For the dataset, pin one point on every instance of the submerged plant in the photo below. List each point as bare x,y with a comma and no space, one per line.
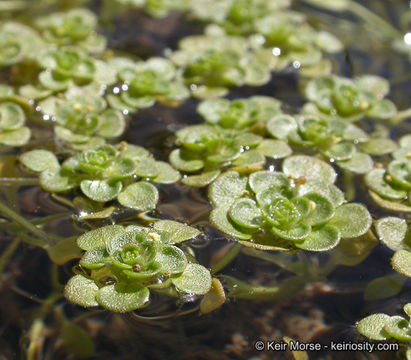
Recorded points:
144,83
104,174
341,98
297,208
122,265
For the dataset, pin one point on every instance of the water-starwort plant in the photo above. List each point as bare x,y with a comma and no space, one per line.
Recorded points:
123,264
299,207
103,174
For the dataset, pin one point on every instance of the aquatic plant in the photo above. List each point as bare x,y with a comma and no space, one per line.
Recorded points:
104,174
123,264
144,83
297,208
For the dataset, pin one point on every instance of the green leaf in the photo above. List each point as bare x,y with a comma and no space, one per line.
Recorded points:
94,259
146,168
398,328
296,233
12,116
392,231
77,341
382,109
281,125
276,149
55,180
166,174
101,190
227,188
123,168
18,137
120,298
323,239
219,219
359,163
245,213
141,196
383,287
375,180
351,220
249,161
340,151
390,205
195,279
64,251
323,209
174,232
201,180
182,161
97,239
172,259
400,172
378,146
373,326
329,191
401,262
310,168
39,160
112,124
81,291
262,180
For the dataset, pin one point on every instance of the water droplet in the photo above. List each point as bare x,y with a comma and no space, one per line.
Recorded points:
116,90
46,117
276,51
124,87
193,87
407,38
296,64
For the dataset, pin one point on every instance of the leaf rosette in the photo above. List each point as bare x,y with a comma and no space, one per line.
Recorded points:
75,27
124,264
337,97
299,208
106,173
144,83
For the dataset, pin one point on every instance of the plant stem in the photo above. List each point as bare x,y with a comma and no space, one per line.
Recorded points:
5,181
228,258
12,215
400,116
370,17
8,253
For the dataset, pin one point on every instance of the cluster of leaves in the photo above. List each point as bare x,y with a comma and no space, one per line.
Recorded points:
157,8
390,187
104,174
214,62
299,207
82,118
335,97
144,83
391,328
13,113
121,265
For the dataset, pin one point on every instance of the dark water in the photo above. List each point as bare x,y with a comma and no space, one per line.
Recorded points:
323,312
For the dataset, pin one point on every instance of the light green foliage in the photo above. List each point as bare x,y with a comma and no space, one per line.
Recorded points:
102,173
385,327
147,82
157,8
269,209
214,62
341,98
82,118
13,131
75,27
122,264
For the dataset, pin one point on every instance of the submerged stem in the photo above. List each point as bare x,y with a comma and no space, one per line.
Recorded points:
12,215
5,181
227,258
8,253
400,116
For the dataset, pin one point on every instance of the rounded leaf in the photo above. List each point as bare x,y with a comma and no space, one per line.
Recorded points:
375,180
166,174
401,262
39,160
322,239
97,239
309,168
262,180
391,231
245,213
359,163
195,279
81,291
122,299
101,190
201,180
276,149
219,218
398,328
55,180
352,220
373,326
141,196
172,259
182,161
174,232
227,188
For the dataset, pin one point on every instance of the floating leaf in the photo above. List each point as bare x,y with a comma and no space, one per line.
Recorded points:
227,188
309,168
275,149
391,231
39,160
323,239
398,328
195,279
81,291
175,232
219,218
166,174
214,298
359,163
383,287
378,146
141,196
401,262
97,239
201,180
351,220
101,190
55,180
246,213
373,326
122,299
